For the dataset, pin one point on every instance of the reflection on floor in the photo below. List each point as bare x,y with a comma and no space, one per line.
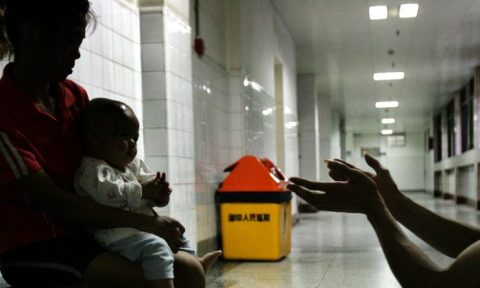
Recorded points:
333,250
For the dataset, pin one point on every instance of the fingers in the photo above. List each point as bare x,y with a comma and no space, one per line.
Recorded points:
310,196
178,225
343,171
157,177
344,163
162,178
372,162
312,185
335,176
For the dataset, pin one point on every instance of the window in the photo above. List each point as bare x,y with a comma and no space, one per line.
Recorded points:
396,140
437,134
466,104
451,128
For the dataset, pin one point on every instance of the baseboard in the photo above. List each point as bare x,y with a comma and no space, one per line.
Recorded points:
461,199
448,196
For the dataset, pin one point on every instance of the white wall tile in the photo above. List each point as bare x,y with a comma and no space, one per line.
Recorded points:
156,142
154,85
153,57
152,28
155,115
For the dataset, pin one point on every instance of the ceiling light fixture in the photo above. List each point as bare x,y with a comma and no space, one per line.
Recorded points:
409,10
388,76
388,120
387,131
378,12
386,104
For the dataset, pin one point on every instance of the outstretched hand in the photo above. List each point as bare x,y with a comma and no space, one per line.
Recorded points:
353,191
385,184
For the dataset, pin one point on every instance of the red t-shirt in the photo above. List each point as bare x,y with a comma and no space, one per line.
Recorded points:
32,140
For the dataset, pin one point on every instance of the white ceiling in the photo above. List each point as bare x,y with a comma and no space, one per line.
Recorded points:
335,39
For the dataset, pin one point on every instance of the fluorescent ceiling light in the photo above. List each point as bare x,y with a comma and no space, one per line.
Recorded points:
388,76
378,12
408,10
386,104
387,132
388,120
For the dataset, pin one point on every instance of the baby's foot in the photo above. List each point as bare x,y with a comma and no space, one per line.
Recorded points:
208,259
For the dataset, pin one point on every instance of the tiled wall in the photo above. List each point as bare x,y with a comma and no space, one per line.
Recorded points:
234,117
168,108
110,65
193,111
212,141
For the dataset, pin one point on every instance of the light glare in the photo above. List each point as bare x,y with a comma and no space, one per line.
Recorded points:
387,132
388,120
388,76
378,12
386,104
408,10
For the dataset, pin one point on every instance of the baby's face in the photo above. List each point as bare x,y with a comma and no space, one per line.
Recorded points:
121,145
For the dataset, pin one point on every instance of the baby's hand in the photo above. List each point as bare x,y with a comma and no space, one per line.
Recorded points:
150,189
164,191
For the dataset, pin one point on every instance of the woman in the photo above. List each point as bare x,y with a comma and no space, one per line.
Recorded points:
42,243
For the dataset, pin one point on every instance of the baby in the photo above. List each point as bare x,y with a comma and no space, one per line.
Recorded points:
111,175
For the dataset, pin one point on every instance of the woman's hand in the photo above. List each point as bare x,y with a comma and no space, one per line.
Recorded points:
170,229
353,192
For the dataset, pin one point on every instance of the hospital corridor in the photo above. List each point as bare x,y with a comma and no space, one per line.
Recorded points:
233,98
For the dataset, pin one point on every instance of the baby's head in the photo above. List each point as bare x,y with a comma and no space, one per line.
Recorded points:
111,131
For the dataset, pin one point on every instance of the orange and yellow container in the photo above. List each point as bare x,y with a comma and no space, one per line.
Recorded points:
255,211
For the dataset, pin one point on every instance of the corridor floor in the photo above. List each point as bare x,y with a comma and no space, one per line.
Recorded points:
333,250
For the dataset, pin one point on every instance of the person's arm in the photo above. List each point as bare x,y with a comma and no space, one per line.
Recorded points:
43,193
447,236
412,267
358,193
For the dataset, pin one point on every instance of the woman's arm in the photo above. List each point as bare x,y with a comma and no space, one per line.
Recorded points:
43,193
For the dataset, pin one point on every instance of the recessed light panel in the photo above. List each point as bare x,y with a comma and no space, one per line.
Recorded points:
387,132
388,120
388,76
386,104
409,10
378,12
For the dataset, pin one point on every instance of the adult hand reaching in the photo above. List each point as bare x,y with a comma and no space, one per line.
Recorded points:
385,184
353,191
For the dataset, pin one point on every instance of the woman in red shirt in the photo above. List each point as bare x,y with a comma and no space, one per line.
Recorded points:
42,242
